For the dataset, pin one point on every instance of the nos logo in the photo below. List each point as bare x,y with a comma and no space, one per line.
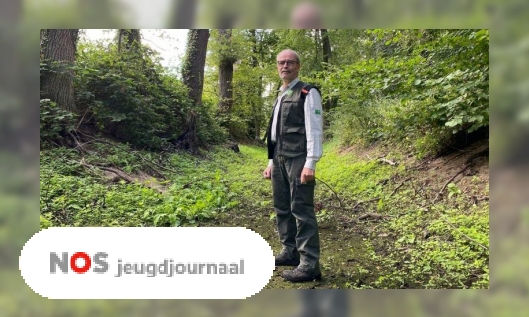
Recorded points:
63,262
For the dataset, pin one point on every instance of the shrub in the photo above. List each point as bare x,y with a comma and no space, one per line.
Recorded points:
136,101
55,122
424,95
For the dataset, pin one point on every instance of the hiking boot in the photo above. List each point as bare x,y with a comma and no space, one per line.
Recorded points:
298,275
283,259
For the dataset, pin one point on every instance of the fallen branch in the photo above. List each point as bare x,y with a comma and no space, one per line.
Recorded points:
116,171
456,156
347,221
418,166
363,202
448,182
371,215
160,175
475,200
396,188
474,156
387,161
157,172
82,118
335,194
79,145
122,175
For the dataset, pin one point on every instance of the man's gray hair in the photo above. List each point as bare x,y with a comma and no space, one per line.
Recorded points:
292,51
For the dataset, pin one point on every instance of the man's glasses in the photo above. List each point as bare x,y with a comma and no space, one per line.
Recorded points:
289,63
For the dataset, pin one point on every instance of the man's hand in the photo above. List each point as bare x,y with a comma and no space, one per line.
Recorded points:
267,172
307,175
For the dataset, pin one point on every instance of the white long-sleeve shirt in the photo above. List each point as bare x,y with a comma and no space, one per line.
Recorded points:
313,124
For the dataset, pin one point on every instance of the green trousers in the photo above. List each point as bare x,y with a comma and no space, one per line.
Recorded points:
294,205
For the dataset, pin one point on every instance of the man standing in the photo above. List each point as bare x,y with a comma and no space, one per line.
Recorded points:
294,139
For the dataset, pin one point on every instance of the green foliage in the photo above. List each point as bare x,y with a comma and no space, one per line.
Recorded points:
453,190
303,42
45,222
324,216
420,88
348,46
243,173
247,109
415,83
55,122
199,202
352,178
130,96
71,195
442,246
459,100
231,49
209,130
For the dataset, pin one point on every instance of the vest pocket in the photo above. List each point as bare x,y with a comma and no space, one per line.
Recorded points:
294,139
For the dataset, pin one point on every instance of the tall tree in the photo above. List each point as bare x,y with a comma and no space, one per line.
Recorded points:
317,51
327,54
326,46
227,59
193,78
257,104
130,39
194,62
58,53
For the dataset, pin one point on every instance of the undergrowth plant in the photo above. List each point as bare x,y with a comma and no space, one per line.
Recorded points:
444,245
73,195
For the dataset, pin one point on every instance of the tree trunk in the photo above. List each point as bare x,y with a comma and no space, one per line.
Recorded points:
317,50
58,52
226,89
326,46
193,78
131,38
191,139
225,73
129,46
257,106
327,53
194,62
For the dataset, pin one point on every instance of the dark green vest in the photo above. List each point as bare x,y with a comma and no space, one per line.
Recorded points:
291,140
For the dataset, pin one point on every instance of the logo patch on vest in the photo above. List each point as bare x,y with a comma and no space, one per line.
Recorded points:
317,111
289,93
